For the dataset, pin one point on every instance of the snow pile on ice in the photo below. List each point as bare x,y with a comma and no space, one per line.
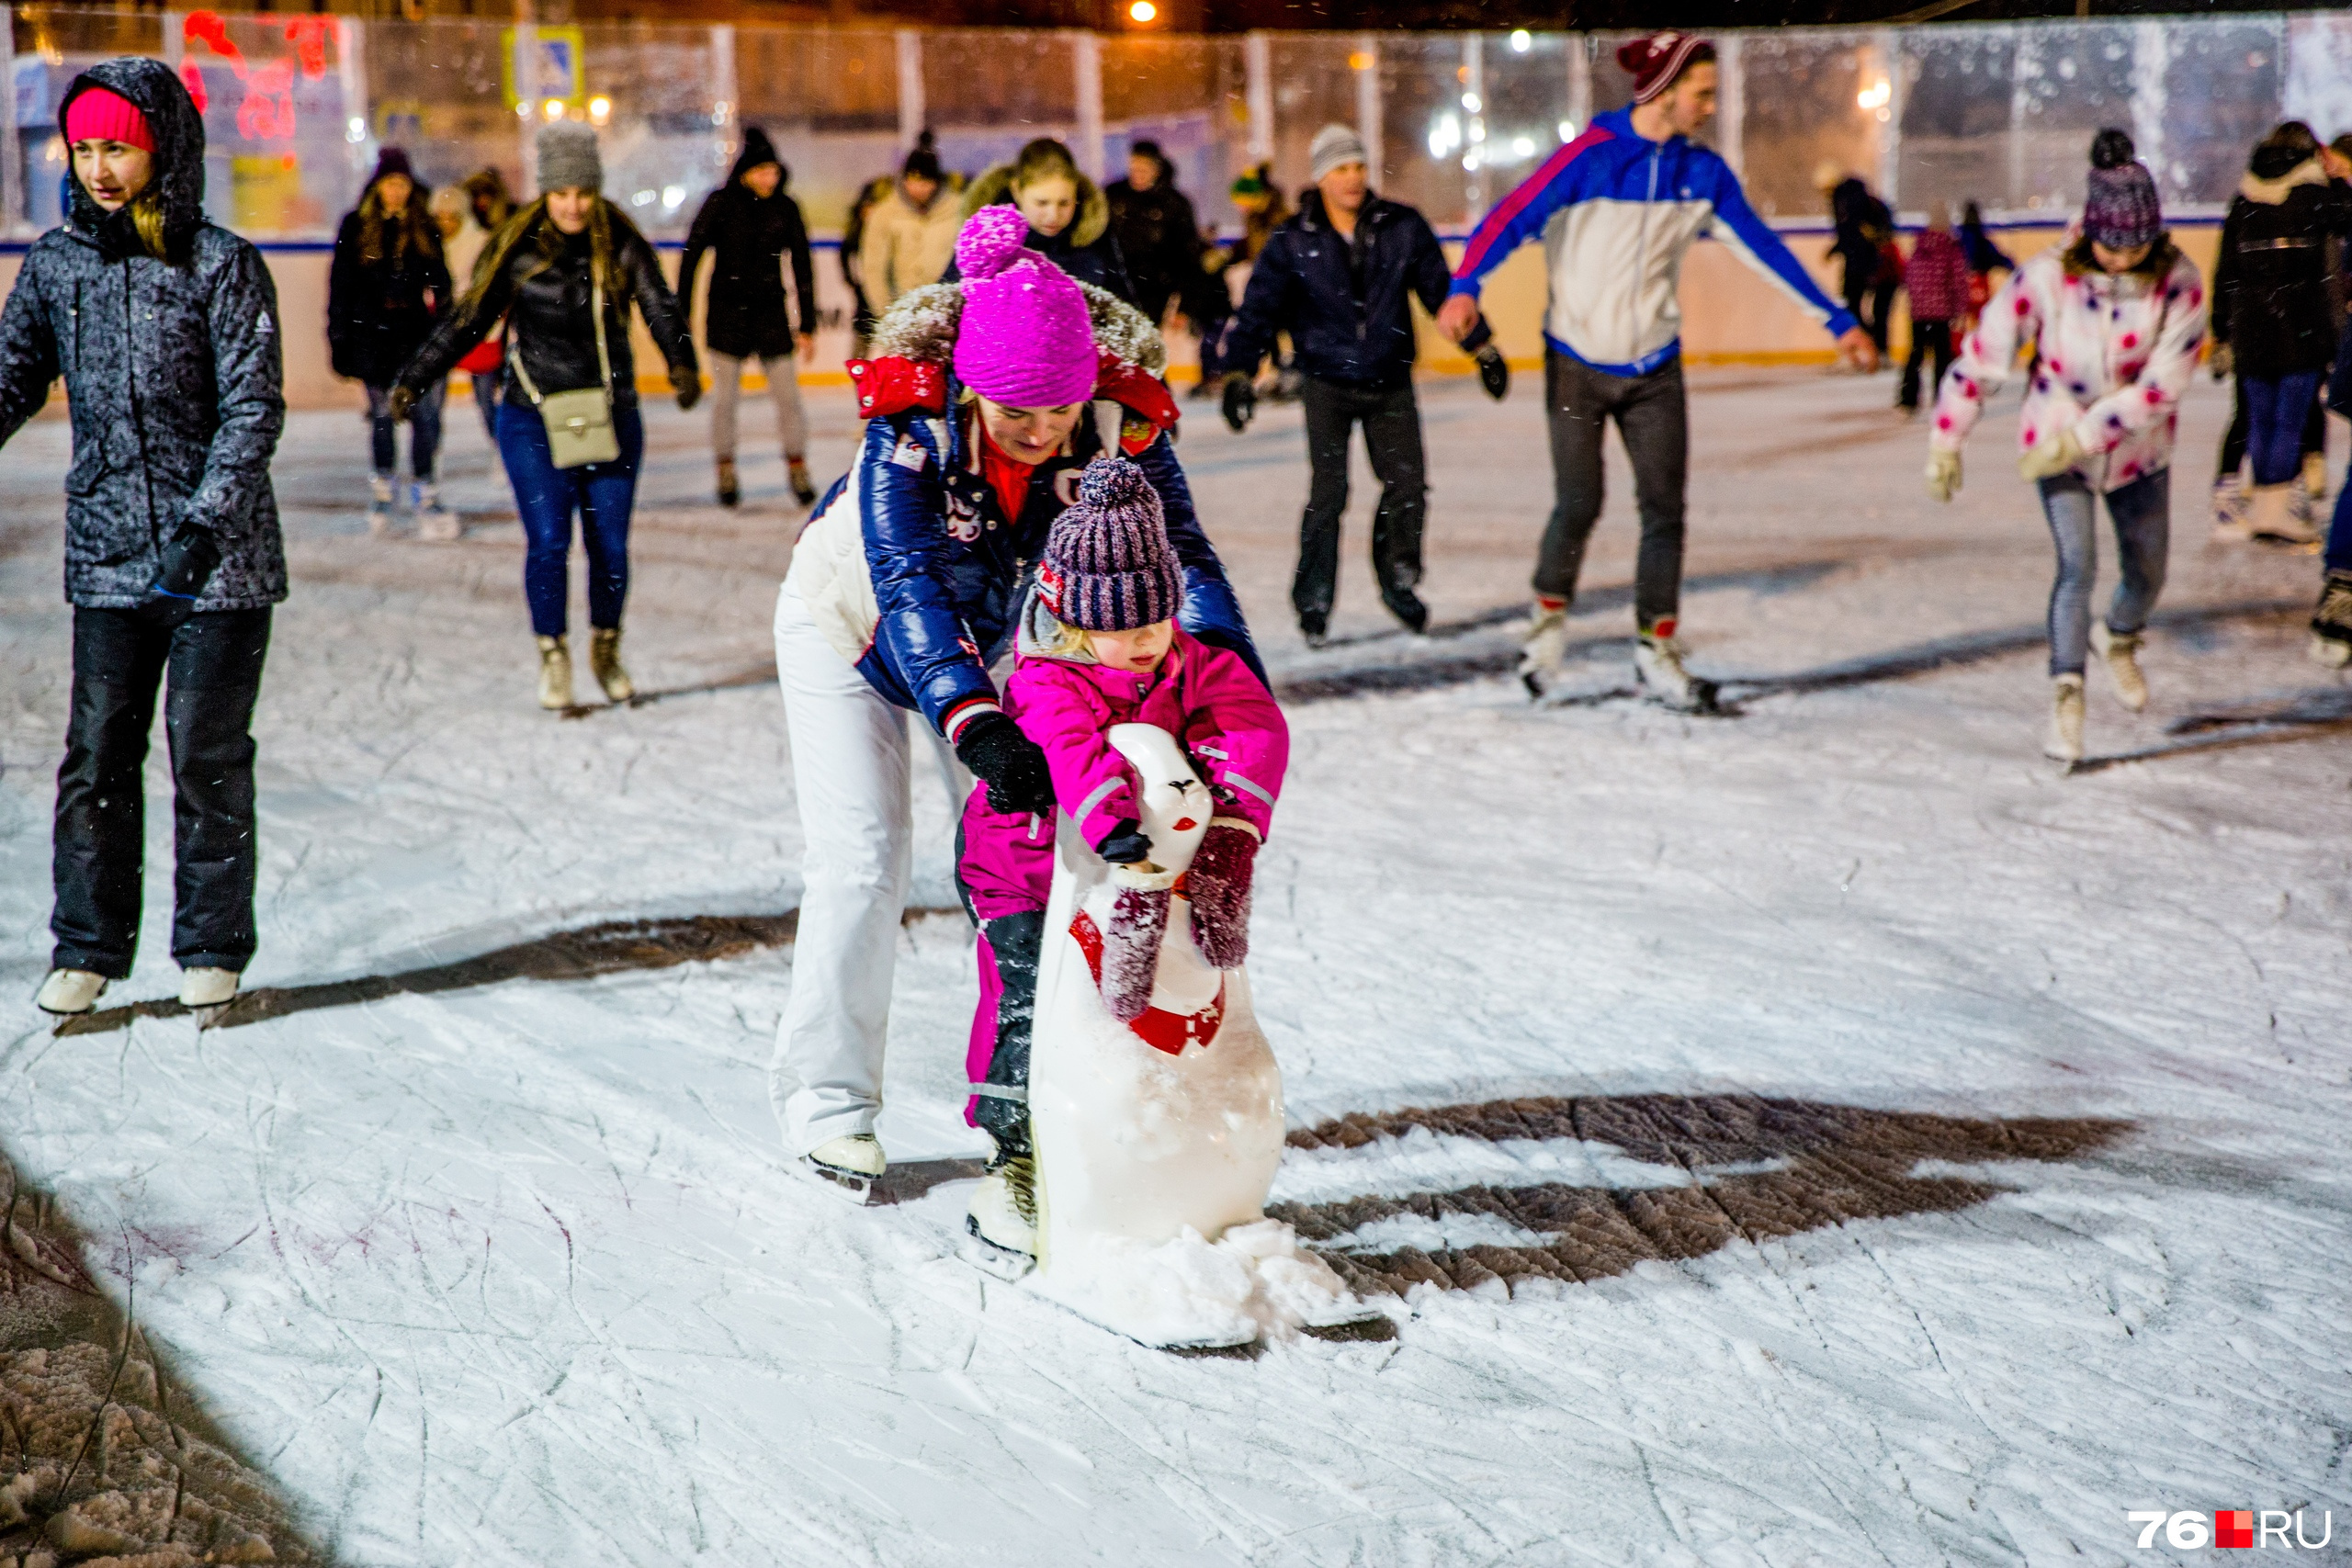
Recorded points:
1252,1282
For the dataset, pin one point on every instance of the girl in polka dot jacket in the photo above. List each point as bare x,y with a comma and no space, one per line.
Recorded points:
2116,318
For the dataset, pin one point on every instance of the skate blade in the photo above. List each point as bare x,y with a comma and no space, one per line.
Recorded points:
1371,1329
1005,1263
1706,701
850,1186
206,1018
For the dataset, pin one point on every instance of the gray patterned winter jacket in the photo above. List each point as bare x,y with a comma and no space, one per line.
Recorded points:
173,371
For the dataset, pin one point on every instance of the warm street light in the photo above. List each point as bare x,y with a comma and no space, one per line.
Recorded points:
1143,11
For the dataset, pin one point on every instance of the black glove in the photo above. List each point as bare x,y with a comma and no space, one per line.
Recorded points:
687,385
1126,843
402,402
1008,763
1494,372
187,560
1241,401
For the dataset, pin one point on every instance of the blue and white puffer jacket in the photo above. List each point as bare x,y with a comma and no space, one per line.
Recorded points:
1617,212
909,567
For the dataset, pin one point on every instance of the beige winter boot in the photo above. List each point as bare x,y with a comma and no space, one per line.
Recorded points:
2121,651
2281,513
605,663
2315,475
555,674
2065,741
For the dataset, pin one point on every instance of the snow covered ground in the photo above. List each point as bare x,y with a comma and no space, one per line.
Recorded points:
1922,1158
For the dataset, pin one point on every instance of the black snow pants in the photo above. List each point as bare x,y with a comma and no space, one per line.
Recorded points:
1392,438
1927,338
1652,417
214,660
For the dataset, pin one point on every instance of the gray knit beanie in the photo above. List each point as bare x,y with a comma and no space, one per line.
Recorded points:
1334,146
1108,564
568,157
2121,210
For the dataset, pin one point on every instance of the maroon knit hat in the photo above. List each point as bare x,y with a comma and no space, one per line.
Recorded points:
1108,565
1658,59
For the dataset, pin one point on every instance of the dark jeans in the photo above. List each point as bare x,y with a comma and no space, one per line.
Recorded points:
2339,531
1391,437
1927,337
486,399
2234,440
2142,512
1879,296
1655,424
119,657
2277,410
424,430
546,497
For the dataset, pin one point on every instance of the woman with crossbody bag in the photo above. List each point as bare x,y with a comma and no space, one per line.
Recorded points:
563,271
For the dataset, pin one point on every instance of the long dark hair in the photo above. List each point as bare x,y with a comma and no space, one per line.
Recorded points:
398,235
530,226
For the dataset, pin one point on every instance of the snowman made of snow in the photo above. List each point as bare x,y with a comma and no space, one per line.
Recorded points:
1158,1139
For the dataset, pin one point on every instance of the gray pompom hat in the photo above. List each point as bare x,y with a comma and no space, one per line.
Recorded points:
1109,565
568,157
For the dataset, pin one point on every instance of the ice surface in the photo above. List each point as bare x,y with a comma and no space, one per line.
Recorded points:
516,1275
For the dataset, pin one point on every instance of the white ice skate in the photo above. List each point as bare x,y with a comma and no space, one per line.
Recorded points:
380,505
847,1167
435,524
1657,665
70,992
1545,648
2120,653
1157,1140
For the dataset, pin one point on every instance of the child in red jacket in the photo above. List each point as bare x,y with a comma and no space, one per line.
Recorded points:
1937,276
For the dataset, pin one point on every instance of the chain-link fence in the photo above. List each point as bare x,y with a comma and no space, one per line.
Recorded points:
296,107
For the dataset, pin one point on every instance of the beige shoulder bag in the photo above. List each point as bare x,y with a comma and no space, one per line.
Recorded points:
579,423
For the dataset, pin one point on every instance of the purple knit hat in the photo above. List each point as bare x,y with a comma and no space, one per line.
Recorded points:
2121,210
1108,565
1026,341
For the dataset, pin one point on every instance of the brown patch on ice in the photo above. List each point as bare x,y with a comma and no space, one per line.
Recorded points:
1832,1164
610,948
104,1458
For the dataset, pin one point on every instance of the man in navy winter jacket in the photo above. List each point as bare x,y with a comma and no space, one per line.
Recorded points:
1339,278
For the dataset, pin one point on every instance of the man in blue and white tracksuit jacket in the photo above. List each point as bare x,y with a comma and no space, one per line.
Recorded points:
1616,209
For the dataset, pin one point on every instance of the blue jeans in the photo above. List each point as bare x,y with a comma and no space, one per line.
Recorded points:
2142,511
547,496
2277,409
424,430
2340,533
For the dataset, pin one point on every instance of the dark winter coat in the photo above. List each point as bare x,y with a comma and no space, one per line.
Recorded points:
543,289
1159,238
748,237
1087,250
379,313
173,373
1346,306
1863,227
2270,302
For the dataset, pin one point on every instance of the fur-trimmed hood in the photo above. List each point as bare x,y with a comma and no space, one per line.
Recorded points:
921,326
178,130
1094,220
2272,191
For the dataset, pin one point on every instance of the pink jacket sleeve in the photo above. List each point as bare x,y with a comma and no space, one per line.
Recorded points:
1061,710
1237,733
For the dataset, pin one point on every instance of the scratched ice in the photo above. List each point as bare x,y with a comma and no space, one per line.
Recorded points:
514,1275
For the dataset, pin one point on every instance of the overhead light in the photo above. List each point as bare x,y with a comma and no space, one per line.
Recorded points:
356,132
1470,101
1877,95
1567,132
1522,40
1523,146
1143,11
600,108
671,195
552,109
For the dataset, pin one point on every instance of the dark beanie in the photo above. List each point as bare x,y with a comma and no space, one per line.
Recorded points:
389,161
922,164
2121,210
1108,565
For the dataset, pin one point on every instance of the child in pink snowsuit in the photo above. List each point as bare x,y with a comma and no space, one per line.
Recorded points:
1100,647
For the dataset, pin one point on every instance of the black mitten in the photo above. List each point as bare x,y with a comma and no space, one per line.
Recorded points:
1126,843
1240,404
1008,763
187,562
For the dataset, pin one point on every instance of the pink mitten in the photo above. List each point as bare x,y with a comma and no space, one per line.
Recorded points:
1131,950
1218,884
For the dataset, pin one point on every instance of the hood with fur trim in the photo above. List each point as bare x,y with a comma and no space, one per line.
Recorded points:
1093,218
178,130
2272,191
921,327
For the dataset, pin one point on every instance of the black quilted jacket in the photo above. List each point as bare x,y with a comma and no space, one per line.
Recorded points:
172,368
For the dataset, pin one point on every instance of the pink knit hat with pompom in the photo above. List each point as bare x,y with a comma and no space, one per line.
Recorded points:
1026,341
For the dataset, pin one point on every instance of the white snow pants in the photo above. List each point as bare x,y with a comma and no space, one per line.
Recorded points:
850,773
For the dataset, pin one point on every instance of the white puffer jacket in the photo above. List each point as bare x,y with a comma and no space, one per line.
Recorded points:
2112,355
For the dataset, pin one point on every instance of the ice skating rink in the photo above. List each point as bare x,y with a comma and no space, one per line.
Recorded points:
1915,1156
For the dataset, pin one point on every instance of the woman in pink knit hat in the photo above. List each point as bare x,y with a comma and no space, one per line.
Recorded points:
983,398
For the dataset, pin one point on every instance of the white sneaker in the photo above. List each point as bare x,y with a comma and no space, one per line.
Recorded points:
207,988
435,524
380,505
1545,648
2065,740
849,1164
1657,665
2120,653
69,991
